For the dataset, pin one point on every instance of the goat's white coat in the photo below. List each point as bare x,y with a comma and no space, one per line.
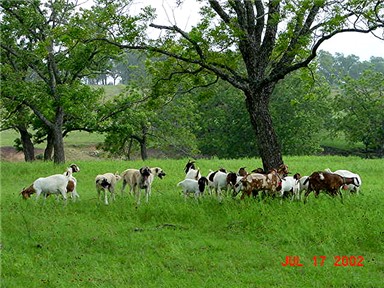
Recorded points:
287,184
54,184
190,186
300,187
193,174
220,182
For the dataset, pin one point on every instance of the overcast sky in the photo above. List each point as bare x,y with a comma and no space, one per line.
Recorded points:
362,45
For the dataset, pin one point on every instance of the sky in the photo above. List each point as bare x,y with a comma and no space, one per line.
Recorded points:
362,45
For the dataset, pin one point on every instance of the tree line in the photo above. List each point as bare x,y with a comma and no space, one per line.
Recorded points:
217,89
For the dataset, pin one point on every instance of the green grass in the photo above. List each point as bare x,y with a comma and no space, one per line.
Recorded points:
170,242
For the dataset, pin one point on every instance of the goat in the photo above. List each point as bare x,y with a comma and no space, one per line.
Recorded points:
191,172
328,182
106,182
72,182
54,184
255,182
242,171
210,176
345,173
288,184
299,187
232,180
193,186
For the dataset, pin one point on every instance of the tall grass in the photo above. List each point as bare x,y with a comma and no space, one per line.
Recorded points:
170,242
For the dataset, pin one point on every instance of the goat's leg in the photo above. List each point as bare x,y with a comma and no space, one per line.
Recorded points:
64,194
306,195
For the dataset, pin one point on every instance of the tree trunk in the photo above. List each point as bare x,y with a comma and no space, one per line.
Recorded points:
257,102
129,148
49,147
26,142
58,145
143,143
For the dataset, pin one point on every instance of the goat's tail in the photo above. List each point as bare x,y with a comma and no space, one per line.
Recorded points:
306,181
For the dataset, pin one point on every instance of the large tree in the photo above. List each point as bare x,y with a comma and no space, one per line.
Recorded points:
254,44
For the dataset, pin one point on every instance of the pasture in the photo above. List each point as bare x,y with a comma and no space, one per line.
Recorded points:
170,242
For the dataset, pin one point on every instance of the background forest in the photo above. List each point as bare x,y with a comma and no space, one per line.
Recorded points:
64,74
339,99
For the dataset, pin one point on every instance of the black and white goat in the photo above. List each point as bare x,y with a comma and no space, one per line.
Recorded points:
191,172
193,186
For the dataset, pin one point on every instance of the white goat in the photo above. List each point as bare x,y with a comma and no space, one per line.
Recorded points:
301,185
348,174
54,184
193,186
191,172
106,182
288,184
220,182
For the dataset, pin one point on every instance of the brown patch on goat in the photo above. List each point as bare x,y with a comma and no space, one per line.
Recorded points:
70,186
27,192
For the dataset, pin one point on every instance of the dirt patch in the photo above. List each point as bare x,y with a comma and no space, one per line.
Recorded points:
10,154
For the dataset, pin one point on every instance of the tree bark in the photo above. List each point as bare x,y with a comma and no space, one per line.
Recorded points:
58,143
143,143
257,103
49,147
26,142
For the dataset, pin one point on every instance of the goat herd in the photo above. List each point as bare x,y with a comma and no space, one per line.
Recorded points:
275,182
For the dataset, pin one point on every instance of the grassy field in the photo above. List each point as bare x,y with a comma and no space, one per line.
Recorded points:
170,242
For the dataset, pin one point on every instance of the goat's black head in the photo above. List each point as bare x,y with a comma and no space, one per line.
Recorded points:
189,165
202,182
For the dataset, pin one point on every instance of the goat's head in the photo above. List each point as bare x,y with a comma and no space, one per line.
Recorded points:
202,182
74,168
189,165
297,176
258,170
27,192
242,171
283,170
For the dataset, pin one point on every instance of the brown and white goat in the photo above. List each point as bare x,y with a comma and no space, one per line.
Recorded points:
270,183
54,184
329,182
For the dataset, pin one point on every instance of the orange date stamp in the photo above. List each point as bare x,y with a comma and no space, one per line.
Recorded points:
338,261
